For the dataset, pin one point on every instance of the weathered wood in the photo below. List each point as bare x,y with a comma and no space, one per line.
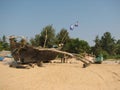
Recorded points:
29,54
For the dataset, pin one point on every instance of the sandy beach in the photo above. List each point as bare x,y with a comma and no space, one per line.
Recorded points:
61,76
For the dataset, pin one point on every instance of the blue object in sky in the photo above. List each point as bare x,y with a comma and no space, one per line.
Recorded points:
76,24
71,27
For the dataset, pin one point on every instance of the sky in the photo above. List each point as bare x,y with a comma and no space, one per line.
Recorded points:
28,17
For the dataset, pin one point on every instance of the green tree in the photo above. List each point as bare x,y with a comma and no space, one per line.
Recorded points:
62,37
84,46
47,38
35,41
118,42
118,47
4,39
3,43
77,46
108,43
97,49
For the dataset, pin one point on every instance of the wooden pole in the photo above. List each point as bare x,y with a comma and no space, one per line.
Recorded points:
45,39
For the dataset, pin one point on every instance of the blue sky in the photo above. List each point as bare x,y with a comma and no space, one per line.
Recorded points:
29,17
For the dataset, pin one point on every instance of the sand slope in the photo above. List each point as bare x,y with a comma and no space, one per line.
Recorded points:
57,76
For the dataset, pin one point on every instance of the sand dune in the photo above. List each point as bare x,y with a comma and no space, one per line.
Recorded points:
58,76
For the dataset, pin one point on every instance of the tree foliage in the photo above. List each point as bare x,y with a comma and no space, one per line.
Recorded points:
107,45
62,36
97,48
118,47
77,46
35,41
46,38
4,44
47,34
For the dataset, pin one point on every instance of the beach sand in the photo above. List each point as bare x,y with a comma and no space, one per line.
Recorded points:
61,76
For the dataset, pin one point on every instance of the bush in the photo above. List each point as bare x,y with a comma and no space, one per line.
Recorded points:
117,57
105,55
101,52
113,57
